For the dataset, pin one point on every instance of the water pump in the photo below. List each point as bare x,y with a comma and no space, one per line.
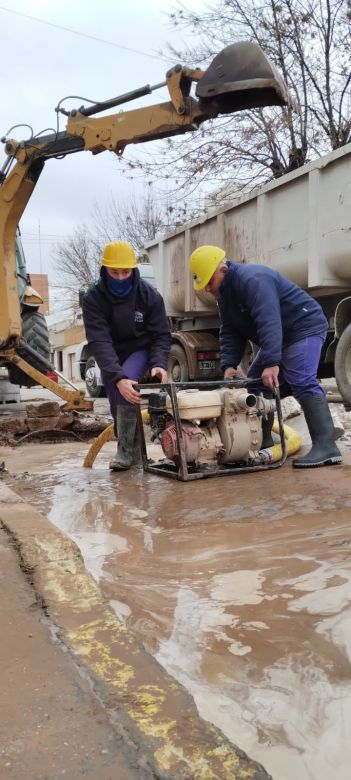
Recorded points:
218,427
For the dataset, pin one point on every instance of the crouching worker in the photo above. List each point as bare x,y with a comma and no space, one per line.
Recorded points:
259,304
128,334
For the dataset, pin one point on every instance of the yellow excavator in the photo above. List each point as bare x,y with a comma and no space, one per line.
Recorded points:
240,77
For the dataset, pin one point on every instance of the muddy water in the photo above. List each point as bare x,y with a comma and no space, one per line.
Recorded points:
240,586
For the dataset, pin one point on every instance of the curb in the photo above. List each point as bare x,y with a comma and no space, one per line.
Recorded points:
155,712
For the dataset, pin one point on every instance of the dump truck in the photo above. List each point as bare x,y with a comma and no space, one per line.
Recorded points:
239,78
300,225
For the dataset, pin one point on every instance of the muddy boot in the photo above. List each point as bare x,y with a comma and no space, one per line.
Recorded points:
267,424
126,430
137,458
319,421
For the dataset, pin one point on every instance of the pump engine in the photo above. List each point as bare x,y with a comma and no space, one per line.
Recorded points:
218,426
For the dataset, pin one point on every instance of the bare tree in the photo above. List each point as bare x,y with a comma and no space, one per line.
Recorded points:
137,220
77,258
310,43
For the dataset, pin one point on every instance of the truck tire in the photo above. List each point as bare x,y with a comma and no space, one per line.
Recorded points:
342,365
35,333
94,389
178,370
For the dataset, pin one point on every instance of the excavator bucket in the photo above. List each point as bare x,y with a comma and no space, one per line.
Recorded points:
241,76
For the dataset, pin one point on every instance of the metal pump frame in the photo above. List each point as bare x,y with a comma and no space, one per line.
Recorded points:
183,472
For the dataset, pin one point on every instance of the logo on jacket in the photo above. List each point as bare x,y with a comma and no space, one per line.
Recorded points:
138,316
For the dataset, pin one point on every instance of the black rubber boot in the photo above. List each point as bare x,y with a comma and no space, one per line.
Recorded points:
267,424
126,435
319,421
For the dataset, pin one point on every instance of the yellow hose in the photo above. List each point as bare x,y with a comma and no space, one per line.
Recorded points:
292,441
106,435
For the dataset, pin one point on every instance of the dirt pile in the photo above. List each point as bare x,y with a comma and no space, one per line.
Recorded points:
48,421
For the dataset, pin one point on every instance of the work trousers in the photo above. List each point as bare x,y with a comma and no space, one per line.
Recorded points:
134,367
298,368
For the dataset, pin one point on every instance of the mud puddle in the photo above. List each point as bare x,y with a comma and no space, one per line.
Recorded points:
240,586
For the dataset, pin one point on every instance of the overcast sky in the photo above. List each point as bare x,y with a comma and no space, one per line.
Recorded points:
42,63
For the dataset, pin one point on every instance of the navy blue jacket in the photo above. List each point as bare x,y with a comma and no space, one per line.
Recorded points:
261,305
117,327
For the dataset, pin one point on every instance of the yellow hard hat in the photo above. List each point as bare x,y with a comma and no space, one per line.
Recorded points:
203,263
120,254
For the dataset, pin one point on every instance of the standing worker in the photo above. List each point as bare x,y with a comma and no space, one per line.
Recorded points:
128,333
289,326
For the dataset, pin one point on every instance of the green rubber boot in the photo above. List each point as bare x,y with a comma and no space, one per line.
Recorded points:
126,435
324,451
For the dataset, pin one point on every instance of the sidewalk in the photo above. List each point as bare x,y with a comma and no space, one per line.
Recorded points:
79,697
51,726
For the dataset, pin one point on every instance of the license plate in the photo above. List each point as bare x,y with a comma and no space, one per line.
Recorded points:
207,365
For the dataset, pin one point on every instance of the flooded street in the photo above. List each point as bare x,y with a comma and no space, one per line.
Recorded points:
240,586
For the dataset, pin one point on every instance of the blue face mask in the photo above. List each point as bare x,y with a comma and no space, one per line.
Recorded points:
119,288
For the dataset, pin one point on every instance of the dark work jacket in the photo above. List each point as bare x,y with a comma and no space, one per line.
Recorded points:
260,305
117,327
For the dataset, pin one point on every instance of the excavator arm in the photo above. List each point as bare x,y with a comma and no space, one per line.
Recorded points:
240,77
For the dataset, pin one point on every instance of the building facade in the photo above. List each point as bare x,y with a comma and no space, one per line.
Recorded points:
65,337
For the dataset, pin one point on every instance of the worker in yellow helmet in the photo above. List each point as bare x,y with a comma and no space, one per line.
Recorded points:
259,304
128,333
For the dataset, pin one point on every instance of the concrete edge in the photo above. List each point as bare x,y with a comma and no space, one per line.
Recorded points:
159,714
